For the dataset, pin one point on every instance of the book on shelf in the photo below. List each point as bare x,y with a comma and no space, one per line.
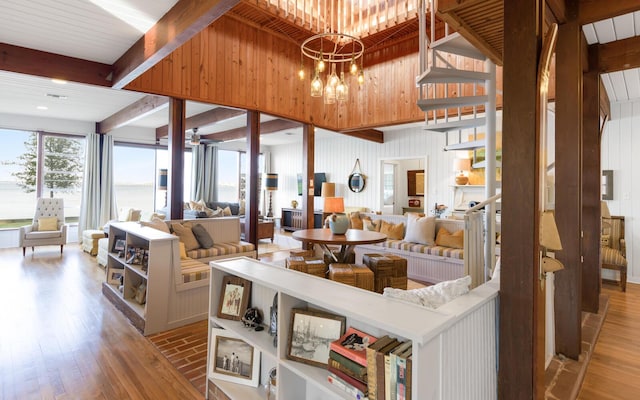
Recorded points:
375,365
356,371
361,386
343,385
403,382
393,368
353,345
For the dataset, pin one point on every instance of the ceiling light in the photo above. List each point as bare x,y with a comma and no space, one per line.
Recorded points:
195,138
42,108
59,81
343,48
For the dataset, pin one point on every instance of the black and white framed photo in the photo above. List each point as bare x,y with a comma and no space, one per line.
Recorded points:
310,334
115,276
119,245
234,297
232,359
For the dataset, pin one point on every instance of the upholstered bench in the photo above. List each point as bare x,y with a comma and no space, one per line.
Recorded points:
352,274
90,239
103,252
389,270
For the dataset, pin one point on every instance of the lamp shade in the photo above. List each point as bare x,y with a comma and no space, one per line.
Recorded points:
549,236
604,210
271,182
462,164
328,189
162,179
334,205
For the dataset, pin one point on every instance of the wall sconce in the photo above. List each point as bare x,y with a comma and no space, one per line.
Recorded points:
549,240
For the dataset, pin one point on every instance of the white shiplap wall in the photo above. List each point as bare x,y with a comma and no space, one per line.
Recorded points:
620,147
336,157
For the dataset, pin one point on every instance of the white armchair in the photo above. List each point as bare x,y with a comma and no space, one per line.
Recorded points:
45,230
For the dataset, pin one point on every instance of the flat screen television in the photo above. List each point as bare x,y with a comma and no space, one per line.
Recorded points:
318,179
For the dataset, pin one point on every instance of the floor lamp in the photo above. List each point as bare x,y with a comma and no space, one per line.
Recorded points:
271,186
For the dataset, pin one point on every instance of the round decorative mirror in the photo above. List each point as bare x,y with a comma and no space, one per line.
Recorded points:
356,182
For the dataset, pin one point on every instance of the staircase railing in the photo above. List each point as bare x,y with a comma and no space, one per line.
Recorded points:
479,261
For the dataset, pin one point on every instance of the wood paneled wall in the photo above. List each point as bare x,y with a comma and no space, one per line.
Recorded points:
237,65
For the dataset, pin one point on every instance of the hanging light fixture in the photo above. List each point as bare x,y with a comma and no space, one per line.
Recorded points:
335,89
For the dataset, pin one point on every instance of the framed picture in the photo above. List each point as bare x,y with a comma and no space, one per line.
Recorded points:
119,245
310,334
234,297
115,276
232,359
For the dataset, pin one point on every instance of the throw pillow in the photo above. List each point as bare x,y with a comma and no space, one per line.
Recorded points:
420,229
134,215
48,224
446,239
156,223
242,207
123,214
432,296
393,231
370,225
226,211
186,235
202,236
355,220
183,251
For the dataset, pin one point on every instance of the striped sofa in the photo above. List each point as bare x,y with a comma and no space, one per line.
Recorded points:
424,263
225,232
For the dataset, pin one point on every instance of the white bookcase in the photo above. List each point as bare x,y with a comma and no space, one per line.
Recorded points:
150,316
367,311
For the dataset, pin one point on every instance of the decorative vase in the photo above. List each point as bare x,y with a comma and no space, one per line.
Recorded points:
338,223
294,204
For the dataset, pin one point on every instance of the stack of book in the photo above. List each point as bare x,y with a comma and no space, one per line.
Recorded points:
389,369
348,362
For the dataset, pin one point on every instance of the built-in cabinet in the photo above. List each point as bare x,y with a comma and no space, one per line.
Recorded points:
364,310
292,219
138,287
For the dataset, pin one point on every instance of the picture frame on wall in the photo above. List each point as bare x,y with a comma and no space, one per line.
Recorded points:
232,359
234,297
310,334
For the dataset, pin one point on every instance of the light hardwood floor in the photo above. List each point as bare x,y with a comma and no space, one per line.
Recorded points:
614,370
60,338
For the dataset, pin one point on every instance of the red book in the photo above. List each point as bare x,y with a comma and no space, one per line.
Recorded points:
361,386
353,345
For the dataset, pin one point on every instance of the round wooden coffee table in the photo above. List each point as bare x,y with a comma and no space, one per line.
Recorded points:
347,242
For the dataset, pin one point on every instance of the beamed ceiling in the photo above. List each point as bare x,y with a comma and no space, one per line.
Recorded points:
98,49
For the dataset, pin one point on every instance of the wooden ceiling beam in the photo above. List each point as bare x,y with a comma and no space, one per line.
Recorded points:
141,108
272,126
49,65
372,135
446,6
183,21
605,103
209,117
619,55
558,10
596,10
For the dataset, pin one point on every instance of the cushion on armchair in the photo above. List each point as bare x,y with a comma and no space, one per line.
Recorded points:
47,224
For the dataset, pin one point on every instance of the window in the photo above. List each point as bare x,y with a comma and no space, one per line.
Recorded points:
24,175
229,176
134,176
17,192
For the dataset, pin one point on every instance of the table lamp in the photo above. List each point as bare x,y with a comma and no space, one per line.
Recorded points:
549,240
460,166
338,221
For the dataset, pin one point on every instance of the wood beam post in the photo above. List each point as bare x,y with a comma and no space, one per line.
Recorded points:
308,161
521,358
591,158
175,197
251,178
568,185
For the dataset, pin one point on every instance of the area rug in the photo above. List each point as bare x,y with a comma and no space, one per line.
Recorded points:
186,350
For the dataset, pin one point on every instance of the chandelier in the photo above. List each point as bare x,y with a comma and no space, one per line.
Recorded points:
328,51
